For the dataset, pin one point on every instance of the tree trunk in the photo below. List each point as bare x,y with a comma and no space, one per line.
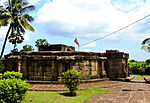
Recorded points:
2,52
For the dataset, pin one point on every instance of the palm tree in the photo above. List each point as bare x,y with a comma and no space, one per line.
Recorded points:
146,44
14,14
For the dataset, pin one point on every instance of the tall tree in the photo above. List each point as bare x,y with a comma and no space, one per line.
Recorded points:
146,44
15,38
15,14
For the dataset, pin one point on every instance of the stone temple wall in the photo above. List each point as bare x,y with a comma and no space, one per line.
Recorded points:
49,65
117,62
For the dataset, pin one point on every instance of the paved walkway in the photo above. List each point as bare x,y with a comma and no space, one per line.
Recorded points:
130,92
136,91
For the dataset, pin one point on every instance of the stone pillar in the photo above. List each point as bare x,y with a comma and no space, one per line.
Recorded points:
60,66
19,66
103,69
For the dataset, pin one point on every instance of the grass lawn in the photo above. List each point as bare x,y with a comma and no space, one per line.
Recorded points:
55,97
139,76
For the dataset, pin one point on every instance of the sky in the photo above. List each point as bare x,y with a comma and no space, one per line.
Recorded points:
61,21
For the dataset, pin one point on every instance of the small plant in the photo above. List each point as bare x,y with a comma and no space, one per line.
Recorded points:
12,75
1,76
72,80
12,90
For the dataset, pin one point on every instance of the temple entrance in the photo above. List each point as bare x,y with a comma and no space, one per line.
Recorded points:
67,66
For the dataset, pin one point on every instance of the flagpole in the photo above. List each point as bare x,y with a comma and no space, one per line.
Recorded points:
76,41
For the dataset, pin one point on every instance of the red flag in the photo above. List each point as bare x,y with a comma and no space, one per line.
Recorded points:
76,41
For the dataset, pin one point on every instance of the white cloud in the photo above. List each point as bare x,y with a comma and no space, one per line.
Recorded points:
3,31
26,37
127,5
94,18
33,2
2,2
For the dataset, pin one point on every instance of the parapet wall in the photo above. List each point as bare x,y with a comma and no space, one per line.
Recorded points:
56,47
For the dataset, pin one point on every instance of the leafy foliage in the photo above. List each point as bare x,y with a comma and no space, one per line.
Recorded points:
148,61
132,60
12,90
39,42
12,75
140,67
13,51
72,80
146,44
1,76
16,38
27,48
14,14
141,70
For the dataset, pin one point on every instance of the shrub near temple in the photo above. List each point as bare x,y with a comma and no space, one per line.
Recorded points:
72,80
1,76
12,75
12,88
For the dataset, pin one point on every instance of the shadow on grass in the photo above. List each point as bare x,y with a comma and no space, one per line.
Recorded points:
68,94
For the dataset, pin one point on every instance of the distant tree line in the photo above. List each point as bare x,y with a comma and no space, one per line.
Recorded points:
26,47
140,67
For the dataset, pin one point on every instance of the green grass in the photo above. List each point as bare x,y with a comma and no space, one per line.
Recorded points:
139,76
55,97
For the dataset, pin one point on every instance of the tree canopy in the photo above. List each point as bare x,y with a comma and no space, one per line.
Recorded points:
39,42
27,48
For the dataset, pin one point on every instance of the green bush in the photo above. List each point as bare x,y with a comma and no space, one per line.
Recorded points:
141,70
147,61
12,90
72,80
138,67
147,71
12,75
1,76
